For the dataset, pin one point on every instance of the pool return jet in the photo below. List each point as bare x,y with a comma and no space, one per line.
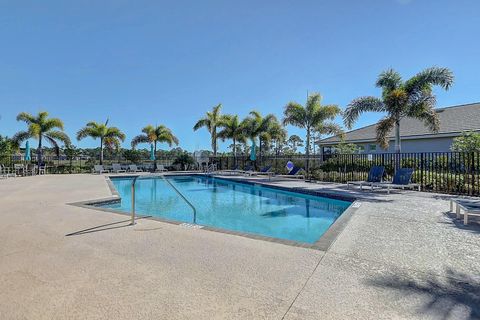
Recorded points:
162,176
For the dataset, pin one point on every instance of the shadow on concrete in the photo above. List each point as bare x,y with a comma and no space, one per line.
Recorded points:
105,227
446,296
473,225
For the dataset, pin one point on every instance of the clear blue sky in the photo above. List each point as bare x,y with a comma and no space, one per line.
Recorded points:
167,62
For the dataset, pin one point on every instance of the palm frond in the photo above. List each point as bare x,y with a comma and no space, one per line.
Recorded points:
20,137
87,132
54,144
58,136
359,106
294,114
389,80
114,132
141,138
442,77
52,124
202,123
384,127
26,117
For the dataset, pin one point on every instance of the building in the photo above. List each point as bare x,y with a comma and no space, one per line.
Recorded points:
415,136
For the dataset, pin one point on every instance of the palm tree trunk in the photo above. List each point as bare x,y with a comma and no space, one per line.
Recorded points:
101,151
155,156
39,153
234,152
214,142
307,150
398,147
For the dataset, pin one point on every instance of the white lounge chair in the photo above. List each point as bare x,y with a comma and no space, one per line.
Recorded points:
161,168
117,168
470,207
98,168
134,168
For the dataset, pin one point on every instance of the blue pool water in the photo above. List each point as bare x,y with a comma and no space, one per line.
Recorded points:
234,206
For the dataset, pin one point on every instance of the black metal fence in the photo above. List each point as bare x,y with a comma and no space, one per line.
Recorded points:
443,172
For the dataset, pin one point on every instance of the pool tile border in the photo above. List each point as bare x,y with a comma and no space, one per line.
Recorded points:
322,244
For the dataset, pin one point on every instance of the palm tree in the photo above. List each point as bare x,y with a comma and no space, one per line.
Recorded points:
41,127
211,121
233,129
313,115
412,98
256,126
154,135
110,137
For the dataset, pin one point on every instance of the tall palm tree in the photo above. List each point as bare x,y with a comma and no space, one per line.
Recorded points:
413,98
110,137
256,126
310,117
233,129
211,121
154,135
40,127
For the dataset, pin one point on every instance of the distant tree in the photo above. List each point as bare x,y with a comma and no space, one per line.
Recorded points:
294,142
132,155
154,135
413,98
311,116
184,160
71,152
211,121
325,129
345,148
110,137
277,134
41,128
7,147
469,141
233,129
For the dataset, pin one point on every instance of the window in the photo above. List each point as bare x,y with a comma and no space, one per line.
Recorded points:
361,148
373,148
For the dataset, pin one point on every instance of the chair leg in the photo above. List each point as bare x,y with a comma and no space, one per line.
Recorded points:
451,206
457,211
465,217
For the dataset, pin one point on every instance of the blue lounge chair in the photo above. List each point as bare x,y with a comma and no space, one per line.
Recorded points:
264,170
374,176
293,173
401,180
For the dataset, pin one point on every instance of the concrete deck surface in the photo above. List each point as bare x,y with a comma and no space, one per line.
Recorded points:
401,256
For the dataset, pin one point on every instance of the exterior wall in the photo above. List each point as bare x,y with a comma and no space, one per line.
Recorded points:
418,145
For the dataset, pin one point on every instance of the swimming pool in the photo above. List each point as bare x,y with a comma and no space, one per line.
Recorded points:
230,205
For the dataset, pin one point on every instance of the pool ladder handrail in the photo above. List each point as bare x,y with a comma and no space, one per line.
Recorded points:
172,186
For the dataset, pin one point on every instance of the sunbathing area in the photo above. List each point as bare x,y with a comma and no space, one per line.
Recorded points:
403,254
250,160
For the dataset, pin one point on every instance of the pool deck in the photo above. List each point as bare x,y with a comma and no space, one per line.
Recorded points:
400,256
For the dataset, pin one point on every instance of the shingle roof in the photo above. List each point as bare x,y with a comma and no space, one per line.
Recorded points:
453,119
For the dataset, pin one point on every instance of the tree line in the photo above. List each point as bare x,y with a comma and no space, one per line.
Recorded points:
412,98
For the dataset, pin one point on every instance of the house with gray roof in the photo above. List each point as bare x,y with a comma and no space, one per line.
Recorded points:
415,136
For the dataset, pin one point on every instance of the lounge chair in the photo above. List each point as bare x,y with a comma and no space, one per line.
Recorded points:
470,207
374,176
293,174
401,180
134,168
117,168
236,169
98,168
263,171
5,172
161,168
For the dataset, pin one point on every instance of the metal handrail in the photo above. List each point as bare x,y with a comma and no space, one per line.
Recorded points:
171,185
